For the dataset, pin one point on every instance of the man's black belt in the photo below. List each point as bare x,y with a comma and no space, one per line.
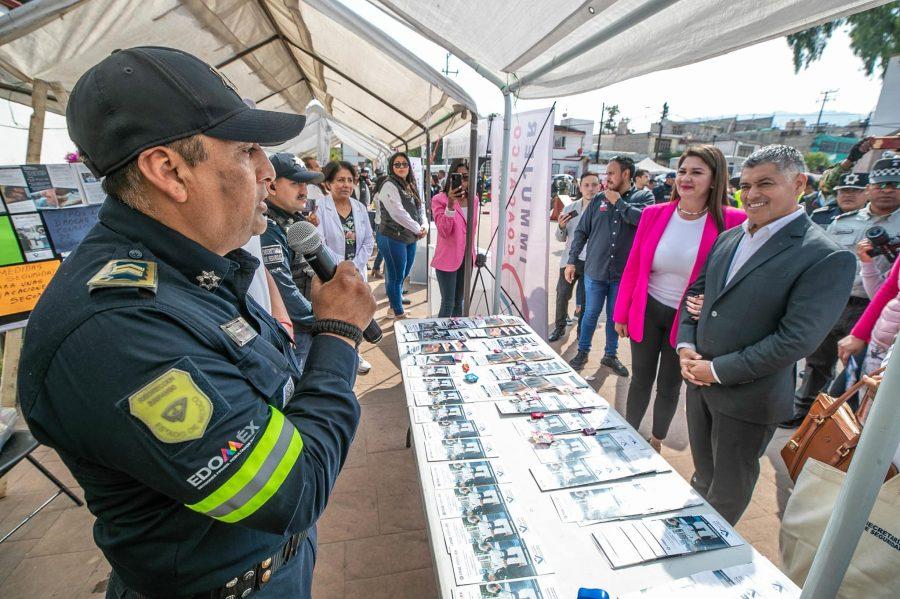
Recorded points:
244,584
858,301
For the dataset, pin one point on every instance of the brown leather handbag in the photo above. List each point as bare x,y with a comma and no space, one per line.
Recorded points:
829,434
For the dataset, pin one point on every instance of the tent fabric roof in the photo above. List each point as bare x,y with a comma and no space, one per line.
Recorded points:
323,131
281,54
512,38
652,167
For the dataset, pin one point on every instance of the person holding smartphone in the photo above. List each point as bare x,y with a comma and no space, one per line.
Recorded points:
452,210
568,220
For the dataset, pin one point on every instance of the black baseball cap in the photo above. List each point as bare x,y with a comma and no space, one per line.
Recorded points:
670,175
852,181
142,97
290,167
886,170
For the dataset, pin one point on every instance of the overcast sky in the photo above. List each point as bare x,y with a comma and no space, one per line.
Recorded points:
756,80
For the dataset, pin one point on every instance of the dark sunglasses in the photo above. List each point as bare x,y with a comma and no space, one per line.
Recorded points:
401,165
886,185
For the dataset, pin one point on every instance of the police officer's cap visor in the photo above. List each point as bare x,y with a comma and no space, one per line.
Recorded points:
265,127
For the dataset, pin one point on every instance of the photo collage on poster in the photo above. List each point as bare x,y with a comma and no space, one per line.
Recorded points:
45,212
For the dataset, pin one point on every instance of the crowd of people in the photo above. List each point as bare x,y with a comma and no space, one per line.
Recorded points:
729,300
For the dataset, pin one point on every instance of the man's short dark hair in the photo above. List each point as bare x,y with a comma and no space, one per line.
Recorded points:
591,174
641,172
127,182
625,163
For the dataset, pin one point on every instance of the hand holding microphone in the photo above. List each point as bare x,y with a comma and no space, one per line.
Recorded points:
342,294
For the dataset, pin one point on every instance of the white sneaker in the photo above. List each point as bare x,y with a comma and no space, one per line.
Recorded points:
364,366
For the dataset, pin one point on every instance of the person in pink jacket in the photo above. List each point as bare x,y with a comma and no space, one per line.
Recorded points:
877,327
451,210
671,244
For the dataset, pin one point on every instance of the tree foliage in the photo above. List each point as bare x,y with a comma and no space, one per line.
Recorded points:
816,162
611,113
874,38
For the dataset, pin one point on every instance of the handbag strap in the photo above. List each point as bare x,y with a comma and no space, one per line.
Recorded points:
830,411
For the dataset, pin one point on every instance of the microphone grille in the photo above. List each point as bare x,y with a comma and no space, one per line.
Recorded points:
303,237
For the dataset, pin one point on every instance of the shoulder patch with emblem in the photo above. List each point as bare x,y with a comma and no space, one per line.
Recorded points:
173,407
846,214
126,273
272,254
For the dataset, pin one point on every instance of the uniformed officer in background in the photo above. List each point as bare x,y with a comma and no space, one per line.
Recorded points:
172,397
292,274
850,196
848,229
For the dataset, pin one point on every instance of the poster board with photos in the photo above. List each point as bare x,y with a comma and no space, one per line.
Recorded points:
45,212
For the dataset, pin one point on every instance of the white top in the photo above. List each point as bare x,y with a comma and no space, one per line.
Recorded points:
751,242
259,286
332,233
674,259
389,196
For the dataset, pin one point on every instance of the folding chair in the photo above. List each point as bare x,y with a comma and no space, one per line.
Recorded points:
19,447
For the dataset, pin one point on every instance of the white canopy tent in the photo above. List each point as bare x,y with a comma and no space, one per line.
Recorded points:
652,167
281,54
322,132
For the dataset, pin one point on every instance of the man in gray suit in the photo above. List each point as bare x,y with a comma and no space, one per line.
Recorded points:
771,290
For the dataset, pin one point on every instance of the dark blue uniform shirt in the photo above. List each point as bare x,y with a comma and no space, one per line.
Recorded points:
178,409
281,261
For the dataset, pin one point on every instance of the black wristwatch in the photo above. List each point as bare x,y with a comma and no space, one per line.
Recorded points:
340,328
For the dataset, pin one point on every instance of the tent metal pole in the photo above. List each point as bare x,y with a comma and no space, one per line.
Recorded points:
31,17
426,183
643,11
504,191
474,213
859,490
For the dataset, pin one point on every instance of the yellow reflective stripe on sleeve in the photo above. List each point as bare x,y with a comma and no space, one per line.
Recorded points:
272,486
259,476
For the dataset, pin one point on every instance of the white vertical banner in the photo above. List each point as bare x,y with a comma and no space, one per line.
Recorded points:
417,168
524,243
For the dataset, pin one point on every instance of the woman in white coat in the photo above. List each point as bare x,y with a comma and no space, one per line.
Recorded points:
344,224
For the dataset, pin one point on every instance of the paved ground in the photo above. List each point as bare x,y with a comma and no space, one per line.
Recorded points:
372,536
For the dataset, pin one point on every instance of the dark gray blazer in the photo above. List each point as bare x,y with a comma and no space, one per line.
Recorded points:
775,310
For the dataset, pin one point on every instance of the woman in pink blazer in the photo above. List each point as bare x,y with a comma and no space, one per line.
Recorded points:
670,247
451,210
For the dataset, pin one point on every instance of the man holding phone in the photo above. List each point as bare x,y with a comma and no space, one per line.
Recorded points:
568,221
287,203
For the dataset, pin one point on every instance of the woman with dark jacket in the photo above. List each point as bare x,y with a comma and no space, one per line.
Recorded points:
401,222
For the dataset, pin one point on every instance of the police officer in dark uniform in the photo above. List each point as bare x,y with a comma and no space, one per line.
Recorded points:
663,193
169,393
850,196
292,274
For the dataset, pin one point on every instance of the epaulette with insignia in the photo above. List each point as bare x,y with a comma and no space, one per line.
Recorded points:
843,214
126,273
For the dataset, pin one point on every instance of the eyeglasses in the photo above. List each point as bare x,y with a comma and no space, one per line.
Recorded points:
886,185
401,165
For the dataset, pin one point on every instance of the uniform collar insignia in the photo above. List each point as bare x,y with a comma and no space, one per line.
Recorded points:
208,279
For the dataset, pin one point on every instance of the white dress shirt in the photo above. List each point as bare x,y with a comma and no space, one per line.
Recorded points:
749,244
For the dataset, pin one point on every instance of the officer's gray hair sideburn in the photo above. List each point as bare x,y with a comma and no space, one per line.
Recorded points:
788,160
127,183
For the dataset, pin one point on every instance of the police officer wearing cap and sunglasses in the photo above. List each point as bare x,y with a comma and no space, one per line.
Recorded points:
173,398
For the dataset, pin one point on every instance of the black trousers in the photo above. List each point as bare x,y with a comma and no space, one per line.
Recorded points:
452,287
726,454
820,364
564,293
654,351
